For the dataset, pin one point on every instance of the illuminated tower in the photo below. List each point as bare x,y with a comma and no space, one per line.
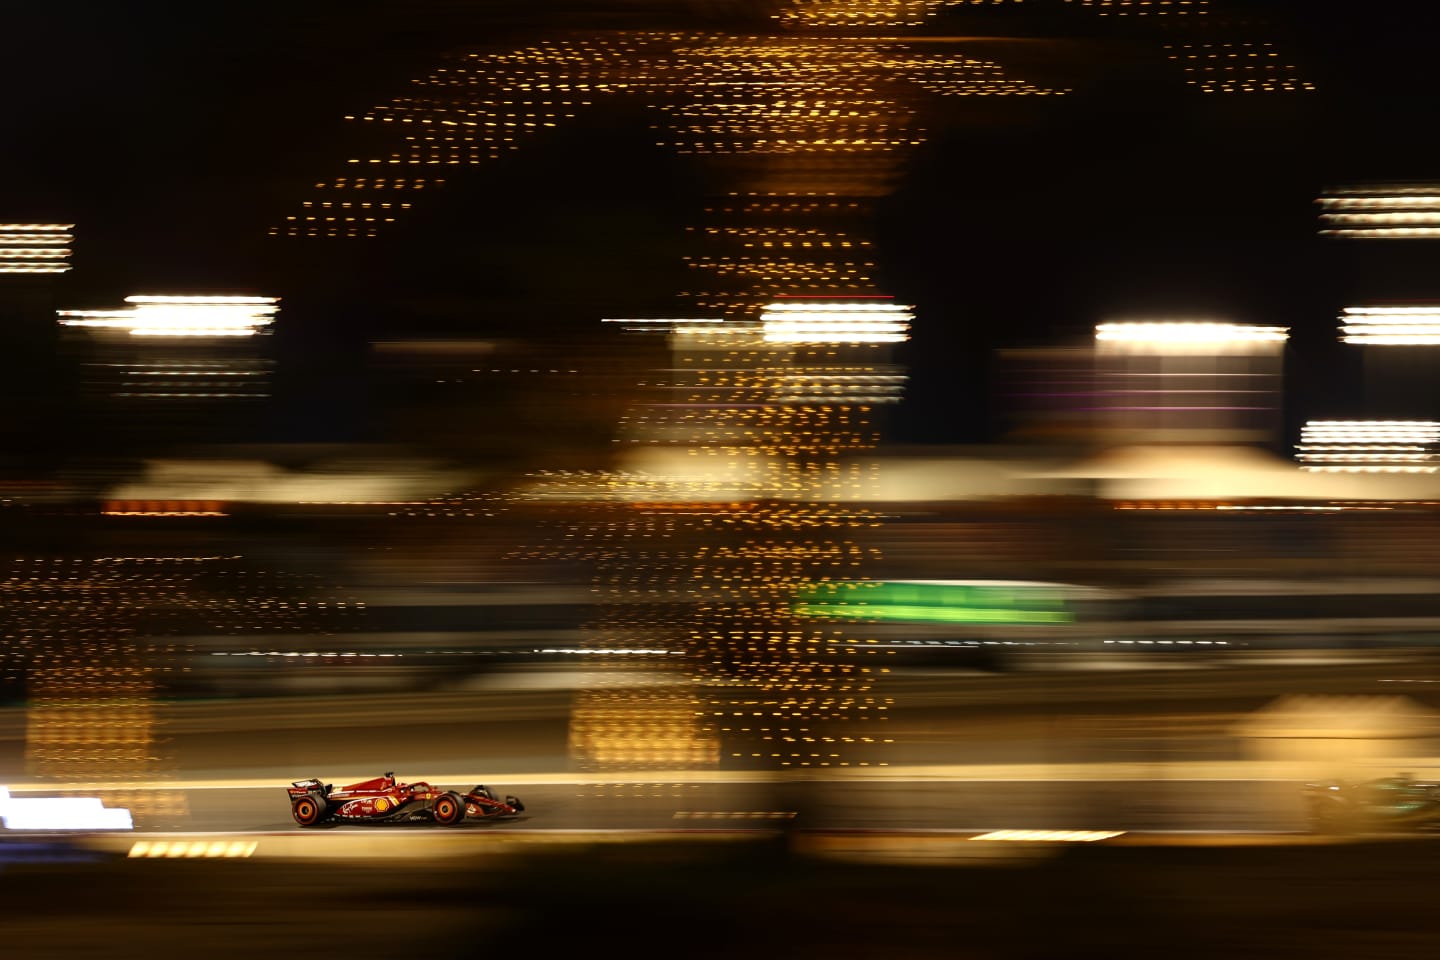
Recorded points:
811,127
741,495
828,79
782,691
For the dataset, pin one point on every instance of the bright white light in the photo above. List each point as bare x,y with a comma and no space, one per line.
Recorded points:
179,316
1386,233
1372,431
1413,339
61,813
193,330
1184,332
252,301
835,322
814,332
1382,211
46,253
1373,446
1052,836
1427,200
1392,218
1391,326
1399,314
35,247
829,306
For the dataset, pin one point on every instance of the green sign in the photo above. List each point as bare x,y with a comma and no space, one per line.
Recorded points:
934,601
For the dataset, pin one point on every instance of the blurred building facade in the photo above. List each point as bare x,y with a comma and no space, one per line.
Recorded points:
1149,382
169,371
33,257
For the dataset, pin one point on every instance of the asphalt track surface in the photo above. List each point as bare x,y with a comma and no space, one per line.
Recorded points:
1137,751
1186,850
703,900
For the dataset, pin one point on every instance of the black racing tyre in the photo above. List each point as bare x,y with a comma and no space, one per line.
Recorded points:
308,811
449,809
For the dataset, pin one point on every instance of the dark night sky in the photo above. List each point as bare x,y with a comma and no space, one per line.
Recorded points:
174,143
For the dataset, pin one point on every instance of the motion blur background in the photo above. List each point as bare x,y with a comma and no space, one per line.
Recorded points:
899,436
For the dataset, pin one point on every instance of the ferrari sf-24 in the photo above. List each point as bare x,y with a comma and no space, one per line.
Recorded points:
387,800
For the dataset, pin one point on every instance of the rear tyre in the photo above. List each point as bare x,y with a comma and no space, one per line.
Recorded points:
449,809
307,811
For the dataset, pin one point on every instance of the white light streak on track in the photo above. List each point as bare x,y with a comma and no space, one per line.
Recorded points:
1050,836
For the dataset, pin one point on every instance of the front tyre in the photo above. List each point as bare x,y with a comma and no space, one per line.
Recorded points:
449,809
307,811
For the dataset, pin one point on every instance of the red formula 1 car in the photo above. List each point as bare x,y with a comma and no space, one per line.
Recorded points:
387,800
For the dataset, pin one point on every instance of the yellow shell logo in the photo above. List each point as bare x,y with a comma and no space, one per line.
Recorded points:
382,805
